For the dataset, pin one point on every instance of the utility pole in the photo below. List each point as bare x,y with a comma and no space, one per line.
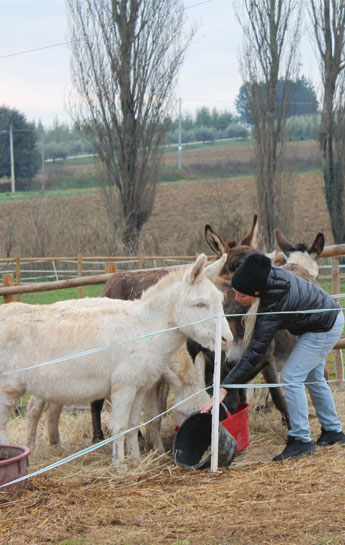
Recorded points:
179,149
13,181
43,163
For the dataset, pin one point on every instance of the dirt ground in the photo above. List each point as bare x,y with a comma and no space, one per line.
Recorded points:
253,501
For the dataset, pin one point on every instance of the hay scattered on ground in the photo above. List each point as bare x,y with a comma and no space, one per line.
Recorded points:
155,502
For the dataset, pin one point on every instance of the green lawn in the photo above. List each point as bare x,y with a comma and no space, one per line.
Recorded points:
47,297
20,195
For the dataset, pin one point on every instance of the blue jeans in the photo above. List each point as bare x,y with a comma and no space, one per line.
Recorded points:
306,364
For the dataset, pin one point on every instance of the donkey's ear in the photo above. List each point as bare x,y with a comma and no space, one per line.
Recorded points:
283,242
318,245
213,270
223,283
251,238
198,267
277,257
214,241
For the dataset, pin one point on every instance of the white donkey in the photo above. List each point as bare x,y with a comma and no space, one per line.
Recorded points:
31,334
185,377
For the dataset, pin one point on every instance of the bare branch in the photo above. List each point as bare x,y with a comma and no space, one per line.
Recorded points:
126,55
327,19
271,30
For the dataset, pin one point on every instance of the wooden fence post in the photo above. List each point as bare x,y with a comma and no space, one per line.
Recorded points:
140,261
8,280
110,267
336,289
18,275
80,273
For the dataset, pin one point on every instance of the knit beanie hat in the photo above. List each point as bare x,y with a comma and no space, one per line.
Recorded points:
251,276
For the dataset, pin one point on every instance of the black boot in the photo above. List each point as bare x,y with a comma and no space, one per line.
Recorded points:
295,448
330,437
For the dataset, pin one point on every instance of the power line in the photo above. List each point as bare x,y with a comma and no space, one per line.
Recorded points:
207,100
71,41
199,4
36,49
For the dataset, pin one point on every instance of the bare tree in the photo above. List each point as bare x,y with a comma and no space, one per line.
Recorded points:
328,22
125,58
271,36
43,227
9,233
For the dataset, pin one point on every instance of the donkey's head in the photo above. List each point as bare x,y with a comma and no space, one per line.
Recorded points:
197,300
187,379
301,254
235,252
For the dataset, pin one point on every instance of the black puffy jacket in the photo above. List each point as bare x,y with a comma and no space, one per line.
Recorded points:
284,292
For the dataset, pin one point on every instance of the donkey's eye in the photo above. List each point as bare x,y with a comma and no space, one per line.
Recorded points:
201,304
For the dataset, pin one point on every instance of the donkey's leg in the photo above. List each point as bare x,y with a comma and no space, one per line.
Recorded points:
260,398
243,395
132,442
8,399
235,396
52,414
122,400
96,409
232,399
152,407
163,392
34,410
5,413
250,395
278,398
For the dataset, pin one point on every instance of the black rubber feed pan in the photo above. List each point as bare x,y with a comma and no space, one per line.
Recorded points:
192,443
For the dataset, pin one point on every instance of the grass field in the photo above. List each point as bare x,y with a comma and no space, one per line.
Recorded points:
47,297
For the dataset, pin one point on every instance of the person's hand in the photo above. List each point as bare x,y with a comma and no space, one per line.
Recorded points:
208,406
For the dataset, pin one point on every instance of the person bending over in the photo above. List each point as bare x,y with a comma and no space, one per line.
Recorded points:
284,301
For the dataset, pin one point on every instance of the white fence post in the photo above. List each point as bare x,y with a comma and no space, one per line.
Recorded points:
216,386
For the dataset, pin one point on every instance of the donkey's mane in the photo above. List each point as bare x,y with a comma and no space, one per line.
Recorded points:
168,279
301,247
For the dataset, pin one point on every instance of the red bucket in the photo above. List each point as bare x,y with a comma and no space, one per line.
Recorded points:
238,425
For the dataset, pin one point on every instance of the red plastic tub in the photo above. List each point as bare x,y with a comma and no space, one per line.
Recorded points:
238,425
13,464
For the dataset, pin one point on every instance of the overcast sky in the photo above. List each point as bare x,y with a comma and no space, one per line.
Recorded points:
37,83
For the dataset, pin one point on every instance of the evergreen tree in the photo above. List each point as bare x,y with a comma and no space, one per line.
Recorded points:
301,100
26,155
203,117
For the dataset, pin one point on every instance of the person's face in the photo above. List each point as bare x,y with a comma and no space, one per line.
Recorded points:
243,299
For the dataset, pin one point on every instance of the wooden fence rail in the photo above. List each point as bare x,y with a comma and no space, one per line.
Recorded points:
140,258
9,289
336,250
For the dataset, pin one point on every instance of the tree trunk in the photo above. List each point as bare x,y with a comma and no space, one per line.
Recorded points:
328,20
269,51
126,55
